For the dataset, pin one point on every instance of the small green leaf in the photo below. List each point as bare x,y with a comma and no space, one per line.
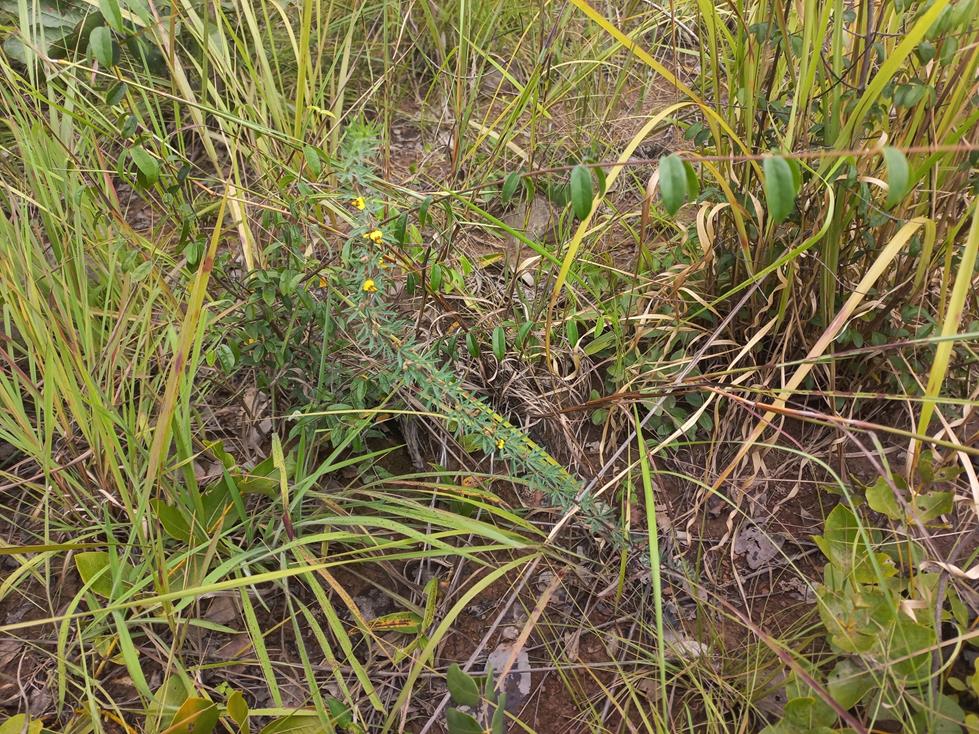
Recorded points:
673,183
313,161
298,723
101,47
848,683
780,188
458,722
407,623
499,343
498,723
195,716
112,14
571,331
929,506
21,724
880,497
172,519
115,94
341,713
693,182
400,228
510,186
581,191
147,167
472,345
237,710
898,176
462,687
523,332
141,271
808,713
95,565
423,211
435,278
431,599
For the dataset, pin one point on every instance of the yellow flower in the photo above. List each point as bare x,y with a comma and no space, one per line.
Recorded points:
500,443
249,341
359,203
369,286
323,282
376,236
382,263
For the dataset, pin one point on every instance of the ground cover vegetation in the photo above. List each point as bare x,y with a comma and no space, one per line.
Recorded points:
484,366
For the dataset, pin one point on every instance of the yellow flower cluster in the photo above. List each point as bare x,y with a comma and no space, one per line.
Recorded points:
376,236
359,203
369,286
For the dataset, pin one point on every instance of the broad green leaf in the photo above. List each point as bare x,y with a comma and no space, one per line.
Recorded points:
581,191
147,167
673,183
898,176
499,343
195,716
880,497
462,687
458,722
101,46
510,186
780,188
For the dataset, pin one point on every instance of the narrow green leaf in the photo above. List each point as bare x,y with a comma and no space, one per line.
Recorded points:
581,191
898,176
462,687
423,211
313,161
780,188
401,228
510,186
472,344
673,183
